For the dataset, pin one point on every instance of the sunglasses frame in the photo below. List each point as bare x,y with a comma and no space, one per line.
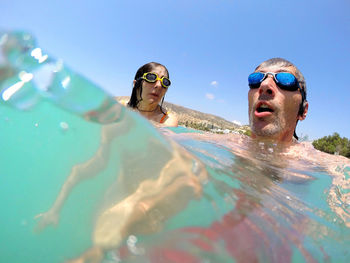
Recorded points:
279,84
157,78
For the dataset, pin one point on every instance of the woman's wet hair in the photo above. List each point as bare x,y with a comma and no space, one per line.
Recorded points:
136,93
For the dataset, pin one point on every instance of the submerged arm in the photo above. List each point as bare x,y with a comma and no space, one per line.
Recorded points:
153,202
78,173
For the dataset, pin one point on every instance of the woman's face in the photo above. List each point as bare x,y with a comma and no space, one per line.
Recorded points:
152,93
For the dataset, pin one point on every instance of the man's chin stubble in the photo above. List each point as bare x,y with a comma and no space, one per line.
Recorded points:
268,130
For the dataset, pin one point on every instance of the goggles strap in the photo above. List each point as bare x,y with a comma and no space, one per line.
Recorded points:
295,134
161,106
301,109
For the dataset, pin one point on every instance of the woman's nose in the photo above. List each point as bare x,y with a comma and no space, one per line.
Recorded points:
158,83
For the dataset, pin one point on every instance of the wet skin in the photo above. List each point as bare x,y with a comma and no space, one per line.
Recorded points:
273,112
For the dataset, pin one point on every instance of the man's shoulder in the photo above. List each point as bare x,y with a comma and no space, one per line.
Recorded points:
306,151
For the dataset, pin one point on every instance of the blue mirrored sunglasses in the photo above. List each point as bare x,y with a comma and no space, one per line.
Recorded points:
284,80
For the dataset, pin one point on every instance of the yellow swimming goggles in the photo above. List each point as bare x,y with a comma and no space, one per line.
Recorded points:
153,77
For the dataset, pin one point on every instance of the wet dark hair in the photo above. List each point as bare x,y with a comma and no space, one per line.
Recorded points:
137,88
281,62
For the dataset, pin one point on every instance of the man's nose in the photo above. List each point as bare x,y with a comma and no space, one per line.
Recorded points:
268,86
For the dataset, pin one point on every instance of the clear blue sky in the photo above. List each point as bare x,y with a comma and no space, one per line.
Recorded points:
209,47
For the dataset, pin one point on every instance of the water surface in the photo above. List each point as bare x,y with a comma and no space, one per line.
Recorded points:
206,199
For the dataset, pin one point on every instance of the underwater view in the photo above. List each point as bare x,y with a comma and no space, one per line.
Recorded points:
84,179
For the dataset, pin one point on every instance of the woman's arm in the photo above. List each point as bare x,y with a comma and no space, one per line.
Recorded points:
179,181
78,173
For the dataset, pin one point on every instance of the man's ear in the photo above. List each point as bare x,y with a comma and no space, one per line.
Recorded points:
133,84
306,107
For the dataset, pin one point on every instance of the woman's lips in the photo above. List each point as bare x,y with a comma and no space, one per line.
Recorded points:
263,110
154,95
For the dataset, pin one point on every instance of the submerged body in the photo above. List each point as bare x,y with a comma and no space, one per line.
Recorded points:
281,194
263,203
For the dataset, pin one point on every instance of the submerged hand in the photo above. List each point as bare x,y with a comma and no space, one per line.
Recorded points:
45,219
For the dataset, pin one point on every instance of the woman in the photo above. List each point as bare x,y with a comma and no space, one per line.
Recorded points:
150,85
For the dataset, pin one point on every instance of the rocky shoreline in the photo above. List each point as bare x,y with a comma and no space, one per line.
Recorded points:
199,120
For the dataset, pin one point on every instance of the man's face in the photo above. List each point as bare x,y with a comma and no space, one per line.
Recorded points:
273,112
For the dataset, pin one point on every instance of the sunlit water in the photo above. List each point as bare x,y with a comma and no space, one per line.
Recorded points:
253,204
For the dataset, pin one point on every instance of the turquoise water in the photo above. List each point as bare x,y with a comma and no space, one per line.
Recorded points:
181,129
251,205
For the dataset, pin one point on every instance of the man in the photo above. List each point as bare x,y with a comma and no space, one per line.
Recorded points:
277,100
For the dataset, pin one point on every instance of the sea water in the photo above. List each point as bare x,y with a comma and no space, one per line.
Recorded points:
253,205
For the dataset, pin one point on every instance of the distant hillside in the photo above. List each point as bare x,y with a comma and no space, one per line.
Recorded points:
195,118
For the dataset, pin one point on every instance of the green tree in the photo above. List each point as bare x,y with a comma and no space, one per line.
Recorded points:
333,144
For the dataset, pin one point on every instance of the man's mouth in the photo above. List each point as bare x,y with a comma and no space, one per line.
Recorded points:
263,110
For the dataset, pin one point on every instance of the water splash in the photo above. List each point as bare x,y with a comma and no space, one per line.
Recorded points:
29,75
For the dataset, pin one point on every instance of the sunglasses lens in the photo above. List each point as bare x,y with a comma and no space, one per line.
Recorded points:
166,82
151,77
255,79
287,81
